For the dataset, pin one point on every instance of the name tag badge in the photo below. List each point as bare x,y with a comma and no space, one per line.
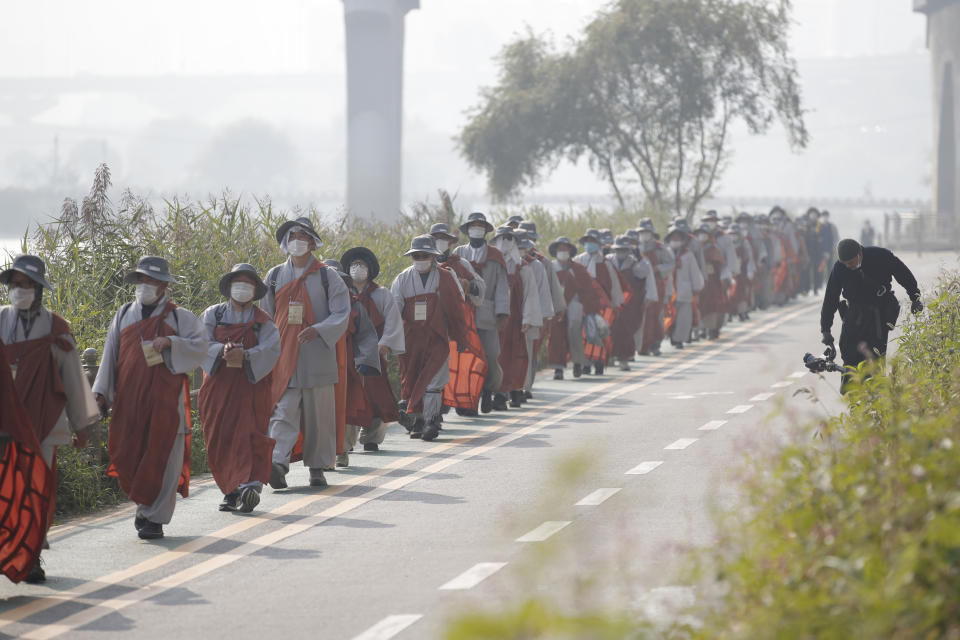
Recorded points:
151,355
295,313
235,366
710,270
420,311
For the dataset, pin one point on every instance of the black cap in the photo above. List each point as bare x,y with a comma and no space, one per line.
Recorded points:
260,289
531,229
30,266
153,267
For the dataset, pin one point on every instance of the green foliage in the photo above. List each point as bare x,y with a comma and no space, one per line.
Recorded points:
850,532
648,94
534,619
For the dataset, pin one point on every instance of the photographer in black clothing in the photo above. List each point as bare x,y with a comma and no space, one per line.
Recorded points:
870,310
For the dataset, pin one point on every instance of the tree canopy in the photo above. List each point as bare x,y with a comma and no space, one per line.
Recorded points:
647,94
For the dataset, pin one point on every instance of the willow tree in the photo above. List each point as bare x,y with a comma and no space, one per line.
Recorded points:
648,94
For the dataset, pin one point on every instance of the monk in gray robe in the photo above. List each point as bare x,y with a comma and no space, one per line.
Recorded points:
235,399
47,372
152,346
310,305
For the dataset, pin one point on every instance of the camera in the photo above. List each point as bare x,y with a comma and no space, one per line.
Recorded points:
820,365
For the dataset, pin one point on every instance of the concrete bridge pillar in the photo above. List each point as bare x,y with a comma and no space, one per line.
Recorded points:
943,40
375,34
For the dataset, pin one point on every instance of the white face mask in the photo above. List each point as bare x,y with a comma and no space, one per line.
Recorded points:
242,292
563,256
703,238
712,224
422,266
359,272
297,248
22,299
676,244
146,293
442,245
476,232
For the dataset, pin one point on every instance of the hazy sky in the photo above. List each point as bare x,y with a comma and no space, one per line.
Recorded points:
449,56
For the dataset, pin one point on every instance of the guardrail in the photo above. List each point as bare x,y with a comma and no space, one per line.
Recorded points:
918,231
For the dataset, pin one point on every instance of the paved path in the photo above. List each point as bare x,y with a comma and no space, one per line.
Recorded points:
610,476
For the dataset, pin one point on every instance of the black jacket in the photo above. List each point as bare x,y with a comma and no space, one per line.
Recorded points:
866,285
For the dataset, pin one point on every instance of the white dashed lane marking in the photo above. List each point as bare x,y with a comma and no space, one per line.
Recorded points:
741,408
473,576
682,443
644,468
761,397
781,385
388,627
597,497
713,425
544,531
798,374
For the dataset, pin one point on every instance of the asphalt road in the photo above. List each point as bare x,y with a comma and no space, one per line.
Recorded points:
590,493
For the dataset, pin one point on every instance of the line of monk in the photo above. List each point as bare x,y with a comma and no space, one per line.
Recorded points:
295,363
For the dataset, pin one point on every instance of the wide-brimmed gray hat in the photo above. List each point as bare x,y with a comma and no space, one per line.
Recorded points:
299,222
336,266
514,220
424,244
710,215
152,266
562,240
622,242
592,235
30,266
606,236
531,229
673,231
475,218
442,229
361,253
735,228
505,231
647,225
743,215
260,289
522,238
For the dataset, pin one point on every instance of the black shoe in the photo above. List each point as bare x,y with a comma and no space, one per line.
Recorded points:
644,353
586,369
515,401
151,531
230,501
713,334
677,345
577,371
417,429
469,413
431,430
249,499
657,351
37,575
598,367
486,402
317,478
499,402
371,446
138,522
277,479
558,374
527,395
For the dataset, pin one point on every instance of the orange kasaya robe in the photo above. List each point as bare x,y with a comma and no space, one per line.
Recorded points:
146,415
235,414
27,484
468,369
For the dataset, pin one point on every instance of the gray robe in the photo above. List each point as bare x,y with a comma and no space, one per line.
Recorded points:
317,359
392,323
496,291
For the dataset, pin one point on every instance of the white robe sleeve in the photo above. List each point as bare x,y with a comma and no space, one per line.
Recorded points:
81,410
105,382
331,328
188,347
392,323
531,298
209,320
265,355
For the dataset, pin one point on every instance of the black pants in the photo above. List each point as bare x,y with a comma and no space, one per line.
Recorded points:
863,336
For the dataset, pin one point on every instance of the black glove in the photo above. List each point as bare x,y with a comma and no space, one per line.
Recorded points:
830,353
916,306
827,338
